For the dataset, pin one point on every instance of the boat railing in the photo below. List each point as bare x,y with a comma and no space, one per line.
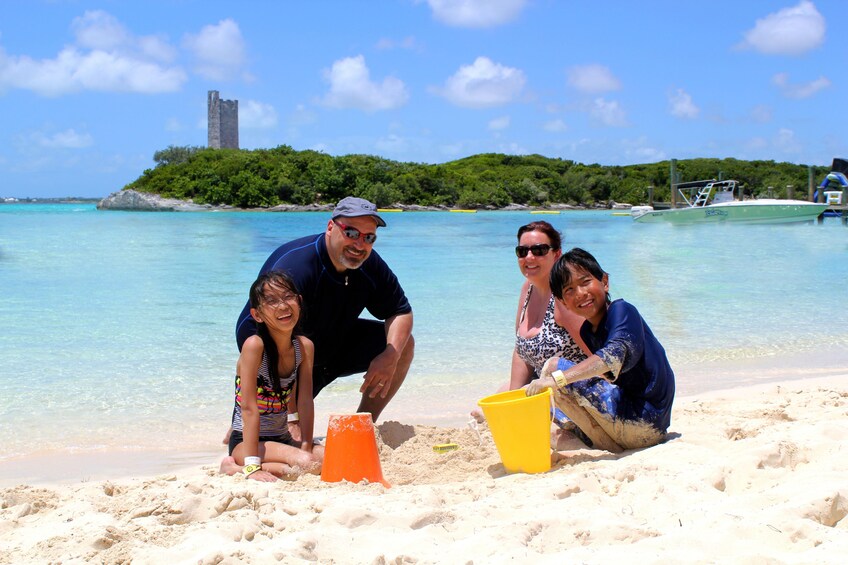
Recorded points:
723,193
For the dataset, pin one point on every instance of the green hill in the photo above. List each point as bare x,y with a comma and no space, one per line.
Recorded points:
269,177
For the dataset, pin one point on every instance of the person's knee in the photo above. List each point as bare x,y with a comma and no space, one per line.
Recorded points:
311,461
565,401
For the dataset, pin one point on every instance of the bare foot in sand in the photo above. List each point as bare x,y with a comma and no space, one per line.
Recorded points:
566,440
229,466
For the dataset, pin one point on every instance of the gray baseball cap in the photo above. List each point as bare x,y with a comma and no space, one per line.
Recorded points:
353,207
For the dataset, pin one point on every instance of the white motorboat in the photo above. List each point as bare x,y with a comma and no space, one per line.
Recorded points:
715,202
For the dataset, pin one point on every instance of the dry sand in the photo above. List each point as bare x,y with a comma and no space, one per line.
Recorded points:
754,475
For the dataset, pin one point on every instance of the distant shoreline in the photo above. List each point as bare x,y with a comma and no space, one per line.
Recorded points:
61,200
147,202
132,200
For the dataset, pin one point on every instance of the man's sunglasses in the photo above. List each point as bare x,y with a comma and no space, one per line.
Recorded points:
353,233
537,250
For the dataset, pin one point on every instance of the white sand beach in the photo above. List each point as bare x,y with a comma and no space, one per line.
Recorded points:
748,475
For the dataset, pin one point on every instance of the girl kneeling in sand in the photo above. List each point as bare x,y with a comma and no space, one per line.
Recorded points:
275,365
621,396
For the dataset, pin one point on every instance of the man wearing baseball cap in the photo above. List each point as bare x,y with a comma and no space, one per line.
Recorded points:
339,275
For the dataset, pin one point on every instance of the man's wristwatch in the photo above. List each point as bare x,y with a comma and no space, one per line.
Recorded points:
250,469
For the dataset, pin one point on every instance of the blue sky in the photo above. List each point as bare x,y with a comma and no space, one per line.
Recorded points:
90,90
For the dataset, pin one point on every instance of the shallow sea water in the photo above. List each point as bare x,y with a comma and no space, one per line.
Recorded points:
119,326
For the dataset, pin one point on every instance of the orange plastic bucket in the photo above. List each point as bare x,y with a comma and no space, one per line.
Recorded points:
350,453
521,428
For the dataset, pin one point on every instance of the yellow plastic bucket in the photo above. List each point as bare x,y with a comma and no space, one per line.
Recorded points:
521,428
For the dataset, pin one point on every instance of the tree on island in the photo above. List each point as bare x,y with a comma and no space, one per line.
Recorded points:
270,177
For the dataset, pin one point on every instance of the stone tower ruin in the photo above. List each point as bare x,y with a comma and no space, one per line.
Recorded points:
222,122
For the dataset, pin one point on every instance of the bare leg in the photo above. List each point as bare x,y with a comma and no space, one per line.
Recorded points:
280,470
586,423
279,459
376,405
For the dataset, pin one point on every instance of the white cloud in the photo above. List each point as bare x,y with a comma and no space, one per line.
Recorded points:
638,151
608,113
498,124
513,149
790,31
555,126
73,71
781,80
302,116
756,144
483,84
387,44
99,30
68,139
219,50
257,115
351,87
392,143
647,155
785,141
761,114
592,79
106,57
681,105
476,13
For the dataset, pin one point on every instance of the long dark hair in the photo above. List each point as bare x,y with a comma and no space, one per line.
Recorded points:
273,280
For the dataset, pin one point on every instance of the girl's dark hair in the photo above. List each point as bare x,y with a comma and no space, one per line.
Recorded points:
576,258
545,228
273,280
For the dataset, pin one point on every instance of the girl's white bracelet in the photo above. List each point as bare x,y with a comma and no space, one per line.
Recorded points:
293,417
252,460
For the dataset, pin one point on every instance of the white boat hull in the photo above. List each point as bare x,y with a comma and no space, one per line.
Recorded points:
765,211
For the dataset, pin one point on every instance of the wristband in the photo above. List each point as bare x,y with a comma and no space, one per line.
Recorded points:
252,460
292,417
559,379
250,469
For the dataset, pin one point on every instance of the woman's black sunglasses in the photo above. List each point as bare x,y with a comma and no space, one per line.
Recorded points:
537,250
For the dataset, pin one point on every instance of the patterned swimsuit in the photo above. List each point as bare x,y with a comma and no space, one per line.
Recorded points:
551,340
272,406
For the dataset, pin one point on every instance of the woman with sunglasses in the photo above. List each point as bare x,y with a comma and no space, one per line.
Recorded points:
543,326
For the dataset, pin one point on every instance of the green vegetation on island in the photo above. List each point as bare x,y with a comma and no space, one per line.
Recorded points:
270,177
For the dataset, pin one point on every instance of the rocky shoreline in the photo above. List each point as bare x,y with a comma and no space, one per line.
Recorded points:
135,201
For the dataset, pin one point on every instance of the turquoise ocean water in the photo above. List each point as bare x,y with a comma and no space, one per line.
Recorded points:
118,327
